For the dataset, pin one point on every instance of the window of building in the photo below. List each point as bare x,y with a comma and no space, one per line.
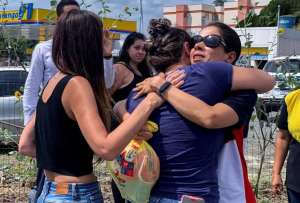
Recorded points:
215,18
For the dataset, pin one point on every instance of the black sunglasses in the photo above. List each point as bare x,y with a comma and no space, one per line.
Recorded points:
212,41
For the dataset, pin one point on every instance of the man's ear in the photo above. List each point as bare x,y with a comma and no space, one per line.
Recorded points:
186,47
231,56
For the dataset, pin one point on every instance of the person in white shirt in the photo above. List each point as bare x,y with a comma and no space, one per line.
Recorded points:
42,67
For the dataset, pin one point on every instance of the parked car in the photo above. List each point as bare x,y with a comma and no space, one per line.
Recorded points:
286,70
12,79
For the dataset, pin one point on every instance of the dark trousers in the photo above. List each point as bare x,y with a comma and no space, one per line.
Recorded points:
293,196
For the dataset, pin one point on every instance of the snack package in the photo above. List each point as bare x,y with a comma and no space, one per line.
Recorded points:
136,169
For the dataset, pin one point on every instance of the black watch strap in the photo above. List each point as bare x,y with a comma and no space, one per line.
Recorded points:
107,57
164,87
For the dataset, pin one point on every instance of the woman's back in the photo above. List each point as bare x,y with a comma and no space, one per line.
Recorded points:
61,147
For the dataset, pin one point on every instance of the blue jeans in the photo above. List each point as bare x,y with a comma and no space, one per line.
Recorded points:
76,193
32,195
162,200
293,196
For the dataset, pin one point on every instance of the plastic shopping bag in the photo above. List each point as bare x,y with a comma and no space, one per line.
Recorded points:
136,169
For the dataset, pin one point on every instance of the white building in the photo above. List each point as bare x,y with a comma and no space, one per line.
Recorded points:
193,17
266,43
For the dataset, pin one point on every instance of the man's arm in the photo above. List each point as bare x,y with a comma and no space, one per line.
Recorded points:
32,84
281,148
26,144
283,139
109,73
219,115
252,78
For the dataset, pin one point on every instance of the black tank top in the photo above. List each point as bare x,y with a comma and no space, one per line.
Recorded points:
123,92
60,145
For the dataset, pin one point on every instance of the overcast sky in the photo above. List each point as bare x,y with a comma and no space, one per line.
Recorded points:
151,8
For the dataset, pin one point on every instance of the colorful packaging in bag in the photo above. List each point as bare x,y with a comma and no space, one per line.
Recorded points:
136,169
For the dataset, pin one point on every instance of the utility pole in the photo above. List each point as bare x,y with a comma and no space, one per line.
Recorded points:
278,15
141,24
278,19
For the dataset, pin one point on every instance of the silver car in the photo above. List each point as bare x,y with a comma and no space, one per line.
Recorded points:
286,70
12,80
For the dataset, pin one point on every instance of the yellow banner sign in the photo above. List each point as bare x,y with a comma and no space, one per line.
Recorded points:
119,25
27,15
37,16
255,50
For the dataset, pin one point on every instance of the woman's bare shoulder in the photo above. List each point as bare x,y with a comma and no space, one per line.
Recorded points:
79,86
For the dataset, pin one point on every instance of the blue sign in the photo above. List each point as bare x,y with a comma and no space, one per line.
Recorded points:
22,11
259,57
287,21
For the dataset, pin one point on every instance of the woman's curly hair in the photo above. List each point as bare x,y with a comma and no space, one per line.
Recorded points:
166,44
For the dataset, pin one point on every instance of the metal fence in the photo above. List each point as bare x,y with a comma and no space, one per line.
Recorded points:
259,157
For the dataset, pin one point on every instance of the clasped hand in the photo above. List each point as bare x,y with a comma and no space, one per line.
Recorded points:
153,84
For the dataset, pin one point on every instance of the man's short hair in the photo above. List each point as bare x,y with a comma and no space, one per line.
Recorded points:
231,38
60,6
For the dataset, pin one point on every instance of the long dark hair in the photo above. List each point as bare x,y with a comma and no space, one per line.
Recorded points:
124,56
231,38
77,50
166,44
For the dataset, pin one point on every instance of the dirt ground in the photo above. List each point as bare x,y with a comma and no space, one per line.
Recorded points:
14,189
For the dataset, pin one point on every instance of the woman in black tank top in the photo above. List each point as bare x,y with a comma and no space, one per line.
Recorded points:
73,114
131,68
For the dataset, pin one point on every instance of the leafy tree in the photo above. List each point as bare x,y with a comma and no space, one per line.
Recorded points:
268,15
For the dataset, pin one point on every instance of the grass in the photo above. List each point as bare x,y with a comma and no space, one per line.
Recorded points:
17,176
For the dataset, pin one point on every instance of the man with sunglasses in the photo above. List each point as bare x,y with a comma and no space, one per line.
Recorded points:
218,42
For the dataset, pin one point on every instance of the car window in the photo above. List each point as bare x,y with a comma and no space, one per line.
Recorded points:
293,65
283,66
10,81
271,67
